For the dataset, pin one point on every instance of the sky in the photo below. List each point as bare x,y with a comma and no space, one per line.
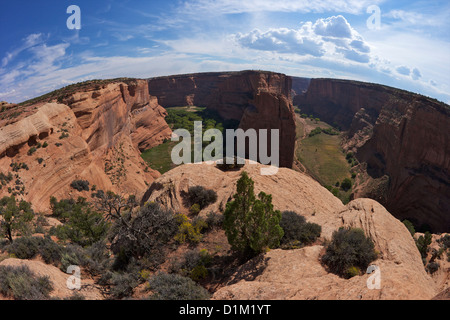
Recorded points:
404,44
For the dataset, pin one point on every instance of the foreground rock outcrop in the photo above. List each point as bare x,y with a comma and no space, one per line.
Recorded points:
401,137
94,133
299,274
257,99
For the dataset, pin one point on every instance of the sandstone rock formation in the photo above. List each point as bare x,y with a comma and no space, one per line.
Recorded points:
258,99
298,274
94,134
402,138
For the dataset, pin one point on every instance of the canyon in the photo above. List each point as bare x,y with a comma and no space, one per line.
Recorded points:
257,99
400,137
96,131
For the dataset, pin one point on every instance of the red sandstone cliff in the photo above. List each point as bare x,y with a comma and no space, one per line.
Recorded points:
94,133
258,99
401,136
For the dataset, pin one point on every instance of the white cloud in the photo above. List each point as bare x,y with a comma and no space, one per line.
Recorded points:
413,18
28,42
332,36
337,27
282,40
218,7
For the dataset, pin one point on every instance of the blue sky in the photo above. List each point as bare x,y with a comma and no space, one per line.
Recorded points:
409,49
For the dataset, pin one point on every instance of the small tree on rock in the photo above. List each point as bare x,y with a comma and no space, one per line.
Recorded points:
15,216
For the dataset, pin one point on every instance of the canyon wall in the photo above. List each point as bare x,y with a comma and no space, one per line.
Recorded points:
400,136
258,99
94,133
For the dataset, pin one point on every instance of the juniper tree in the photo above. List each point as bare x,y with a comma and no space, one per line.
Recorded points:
251,224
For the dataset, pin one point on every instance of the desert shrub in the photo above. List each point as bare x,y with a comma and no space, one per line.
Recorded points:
145,234
24,248
21,283
15,216
251,225
422,244
189,231
298,232
99,258
122,285
352,272
201,196
194,265
348,248
45,144
80,185
195,209
445,241
94,259
83,225
432,267
31,151
30,247
75,296
176,287
346,184
63,135
50,251
61,209
214,220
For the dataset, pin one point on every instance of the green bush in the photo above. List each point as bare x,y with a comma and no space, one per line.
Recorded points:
189,231
408,224
251,225
122,285
298,232
352,272
445,240
194,265
315,131
194,209
80,185
432,267
31,151
346,184
30,247
201,196
348,248
422,244
214,220
83,225
16,217
176,287
21,284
